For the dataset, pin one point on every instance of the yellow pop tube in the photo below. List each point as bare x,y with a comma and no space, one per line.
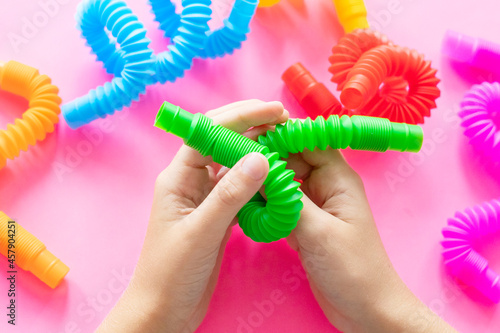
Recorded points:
268,3
351,14
30,253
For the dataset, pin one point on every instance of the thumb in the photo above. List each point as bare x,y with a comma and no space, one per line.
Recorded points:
231,193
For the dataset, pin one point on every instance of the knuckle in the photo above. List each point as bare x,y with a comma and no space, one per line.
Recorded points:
228,192
210,113
161,181
357,179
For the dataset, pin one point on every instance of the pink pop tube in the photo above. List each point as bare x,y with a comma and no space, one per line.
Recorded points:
476,52
463,230
481,119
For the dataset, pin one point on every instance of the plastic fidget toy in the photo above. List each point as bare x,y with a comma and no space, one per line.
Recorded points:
41,115
463,232
30,253
134,63
275,219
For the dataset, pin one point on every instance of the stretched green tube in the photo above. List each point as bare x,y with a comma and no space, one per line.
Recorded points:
260,220
272,220
356,132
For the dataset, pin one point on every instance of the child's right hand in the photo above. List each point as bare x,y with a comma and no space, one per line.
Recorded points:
341,251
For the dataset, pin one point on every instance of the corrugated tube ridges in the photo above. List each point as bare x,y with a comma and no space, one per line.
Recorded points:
41,116
137,57
463,231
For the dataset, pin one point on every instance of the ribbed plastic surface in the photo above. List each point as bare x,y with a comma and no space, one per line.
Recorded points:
356,132
464,230
134,64
41,116
380,79
260,220
481,118
275,219
30,253
234,31
476,52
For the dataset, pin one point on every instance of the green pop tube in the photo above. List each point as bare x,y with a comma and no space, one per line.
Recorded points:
272,220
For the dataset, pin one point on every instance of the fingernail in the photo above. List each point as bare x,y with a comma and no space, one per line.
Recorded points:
254,166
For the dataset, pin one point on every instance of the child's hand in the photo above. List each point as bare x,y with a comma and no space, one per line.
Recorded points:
340,248
190,223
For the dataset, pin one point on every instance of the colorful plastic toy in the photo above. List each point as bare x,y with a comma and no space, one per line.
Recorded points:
351,14
460,236
380,79
473,51
42,114
267,222
481,118
313,96
134,64
29,253
268,3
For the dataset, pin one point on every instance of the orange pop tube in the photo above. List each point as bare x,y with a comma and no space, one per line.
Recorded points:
351,14
42,114
30,253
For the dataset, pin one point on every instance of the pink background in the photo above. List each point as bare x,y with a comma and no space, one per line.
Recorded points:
94,215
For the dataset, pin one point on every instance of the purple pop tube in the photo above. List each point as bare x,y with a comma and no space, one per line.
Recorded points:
463,231
476,52
480,115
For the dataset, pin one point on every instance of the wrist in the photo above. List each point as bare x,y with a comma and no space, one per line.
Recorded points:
399,310
135,312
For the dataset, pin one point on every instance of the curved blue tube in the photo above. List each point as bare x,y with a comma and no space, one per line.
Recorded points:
236,27
133,63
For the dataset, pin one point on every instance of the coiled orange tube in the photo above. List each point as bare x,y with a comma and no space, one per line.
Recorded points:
42,114
380,79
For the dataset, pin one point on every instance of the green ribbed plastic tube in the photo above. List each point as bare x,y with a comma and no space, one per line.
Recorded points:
260,220
356,132
272,220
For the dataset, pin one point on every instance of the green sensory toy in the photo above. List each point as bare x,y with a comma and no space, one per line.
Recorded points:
271,220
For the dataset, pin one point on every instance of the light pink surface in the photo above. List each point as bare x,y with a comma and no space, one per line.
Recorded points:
94,216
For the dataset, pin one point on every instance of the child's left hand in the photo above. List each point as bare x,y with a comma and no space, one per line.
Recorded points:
190,223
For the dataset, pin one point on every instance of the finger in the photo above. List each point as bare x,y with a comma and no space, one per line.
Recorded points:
235,189
301,168
190,166
249,115
239,120
222,172
314,224
342,192
234,106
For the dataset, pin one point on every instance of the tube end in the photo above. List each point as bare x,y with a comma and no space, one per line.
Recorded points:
458,46
406,137
312,95
358,22
78,112
173,119
2,66
299,80
48,268
268,3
